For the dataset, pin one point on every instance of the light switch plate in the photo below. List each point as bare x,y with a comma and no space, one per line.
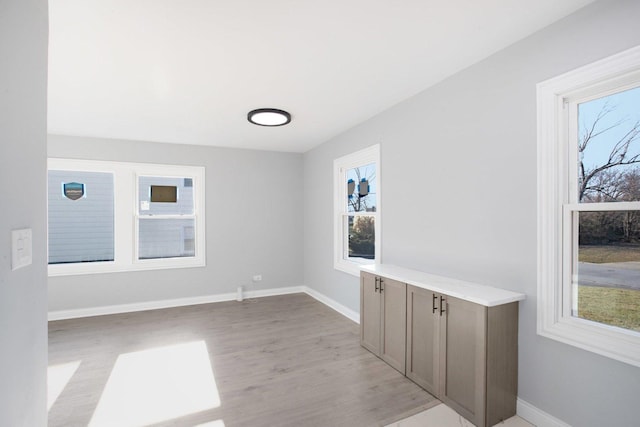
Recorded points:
21,248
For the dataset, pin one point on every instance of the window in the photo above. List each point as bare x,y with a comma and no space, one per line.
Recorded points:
81,225
357,210
166,219
589,207
112,216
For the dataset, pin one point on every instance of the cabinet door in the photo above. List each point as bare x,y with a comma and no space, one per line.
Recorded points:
423,336
394,323
502,362
463,358
370,318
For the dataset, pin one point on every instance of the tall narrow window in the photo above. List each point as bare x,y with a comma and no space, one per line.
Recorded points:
589,207
603,210
357,207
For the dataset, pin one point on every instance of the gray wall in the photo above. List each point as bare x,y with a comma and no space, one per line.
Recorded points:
23,293
253,217
471,142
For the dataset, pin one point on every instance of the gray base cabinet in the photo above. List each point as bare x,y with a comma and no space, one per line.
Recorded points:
480,361
383,318
464,353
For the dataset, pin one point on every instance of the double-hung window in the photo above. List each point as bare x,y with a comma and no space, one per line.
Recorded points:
166,217
589,207
357,210
115,216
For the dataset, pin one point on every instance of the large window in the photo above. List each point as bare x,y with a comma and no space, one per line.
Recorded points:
589,207
112,216
357,210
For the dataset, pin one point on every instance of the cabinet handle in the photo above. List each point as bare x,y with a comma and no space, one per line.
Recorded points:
381,283
443,304
433,305
376,290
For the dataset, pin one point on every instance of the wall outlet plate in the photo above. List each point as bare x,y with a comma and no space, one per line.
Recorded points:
257,278
21,248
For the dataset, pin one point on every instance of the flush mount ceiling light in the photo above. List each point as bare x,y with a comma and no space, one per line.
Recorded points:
269,117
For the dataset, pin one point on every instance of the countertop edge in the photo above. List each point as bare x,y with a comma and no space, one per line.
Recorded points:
446,285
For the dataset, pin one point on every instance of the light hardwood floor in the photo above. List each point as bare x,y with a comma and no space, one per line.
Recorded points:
277,361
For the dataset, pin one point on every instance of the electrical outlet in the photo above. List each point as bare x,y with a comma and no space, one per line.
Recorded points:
21,248
257,278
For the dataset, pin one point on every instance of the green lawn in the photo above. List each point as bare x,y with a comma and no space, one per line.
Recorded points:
601,253
611,306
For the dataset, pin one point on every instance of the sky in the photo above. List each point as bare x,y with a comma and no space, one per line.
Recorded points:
626,107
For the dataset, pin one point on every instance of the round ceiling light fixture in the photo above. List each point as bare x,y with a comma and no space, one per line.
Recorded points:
269,117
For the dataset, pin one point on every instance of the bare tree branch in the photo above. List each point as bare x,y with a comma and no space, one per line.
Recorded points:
617,156
591,133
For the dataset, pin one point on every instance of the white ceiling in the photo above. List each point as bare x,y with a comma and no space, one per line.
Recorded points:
188,71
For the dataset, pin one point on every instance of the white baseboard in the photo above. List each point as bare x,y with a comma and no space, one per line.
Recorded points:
536,416
205,299
274,291
345,311
178,302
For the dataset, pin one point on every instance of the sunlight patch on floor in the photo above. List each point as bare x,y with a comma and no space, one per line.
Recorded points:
159,384
58,376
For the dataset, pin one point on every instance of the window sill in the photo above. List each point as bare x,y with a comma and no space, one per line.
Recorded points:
352,268
112,267
608,341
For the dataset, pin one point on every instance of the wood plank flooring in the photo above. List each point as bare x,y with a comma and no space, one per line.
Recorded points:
278,361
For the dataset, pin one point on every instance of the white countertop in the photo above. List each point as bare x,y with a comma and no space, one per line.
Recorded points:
469,291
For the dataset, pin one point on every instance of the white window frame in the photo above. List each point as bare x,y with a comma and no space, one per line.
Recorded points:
558,207
340,239
126,215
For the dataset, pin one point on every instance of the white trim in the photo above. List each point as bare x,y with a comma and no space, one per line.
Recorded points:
340,166
602,207
159,304
345,311
554,318
537,417
204,299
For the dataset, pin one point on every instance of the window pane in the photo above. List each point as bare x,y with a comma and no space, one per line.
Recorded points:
81,217
361,235
165,189
609,148
608,280
361,189
166,238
